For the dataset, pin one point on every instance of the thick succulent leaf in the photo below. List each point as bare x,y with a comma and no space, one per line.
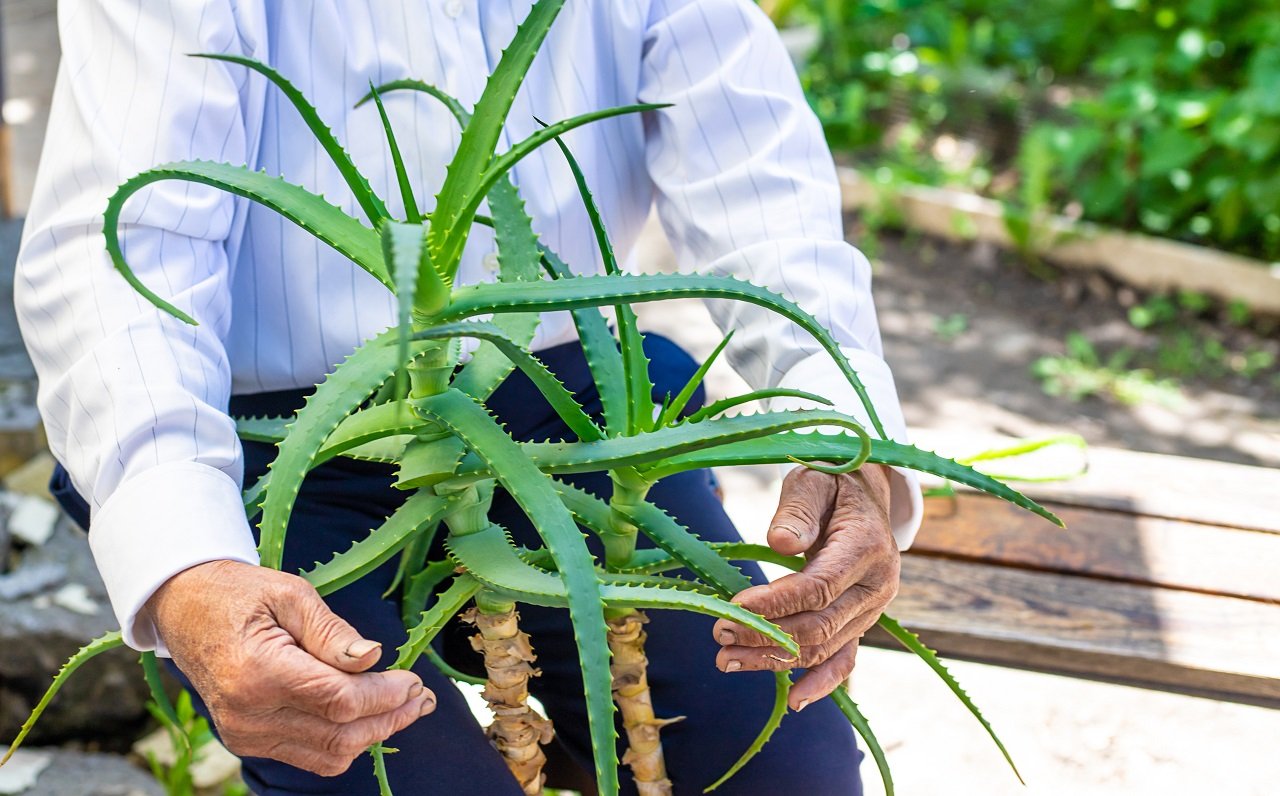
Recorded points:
429,462
557,395
464,182
851,712
413,558
639,386
656,446
781,692
313,213
913,643
333,400
418,589
671,537
373,424
823,447
454,106
502,164
489,556
162,706
519,259
595,291
671,412
724,405
433,620
412,215
402,246
89,651
599,348
421,511
373,207
262,429
534,492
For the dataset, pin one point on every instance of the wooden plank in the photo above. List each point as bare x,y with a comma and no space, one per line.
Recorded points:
1200,644
1173,487
1105,544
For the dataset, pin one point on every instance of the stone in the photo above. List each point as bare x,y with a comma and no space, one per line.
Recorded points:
75,597
32,519
22,771
71,773
32,478
31,579
106,699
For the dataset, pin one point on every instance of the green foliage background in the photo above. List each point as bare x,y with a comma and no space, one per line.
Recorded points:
1162,117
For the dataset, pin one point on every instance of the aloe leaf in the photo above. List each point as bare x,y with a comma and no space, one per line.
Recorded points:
89,651
457,237
313,213
450,221
262,429
333,400
724,405
782,690
534,492
379,753
639,386
788,446
418,588
557,395
913,643
454,106
599,348
673,409
373,424
412,215
519,259
413,558
448,670
151,674
595,291
402,245
670,536
655,447
433,620
489,556
851,712
420,511
373,207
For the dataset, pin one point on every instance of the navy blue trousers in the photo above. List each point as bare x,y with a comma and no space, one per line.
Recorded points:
812,753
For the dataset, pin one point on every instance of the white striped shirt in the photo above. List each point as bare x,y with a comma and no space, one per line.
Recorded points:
135,402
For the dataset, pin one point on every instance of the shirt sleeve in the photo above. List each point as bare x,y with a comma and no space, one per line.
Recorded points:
135,401
746,187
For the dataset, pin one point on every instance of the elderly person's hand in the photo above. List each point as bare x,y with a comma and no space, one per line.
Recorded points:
283,676
841,524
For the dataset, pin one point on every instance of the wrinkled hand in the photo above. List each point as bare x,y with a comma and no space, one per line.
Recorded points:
841,524
283,676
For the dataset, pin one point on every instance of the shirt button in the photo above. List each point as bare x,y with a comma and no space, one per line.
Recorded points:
453,8
491,263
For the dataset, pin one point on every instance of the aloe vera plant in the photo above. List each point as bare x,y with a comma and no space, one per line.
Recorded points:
404,398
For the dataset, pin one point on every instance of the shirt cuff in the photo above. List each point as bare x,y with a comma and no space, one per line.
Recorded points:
818,374
157,524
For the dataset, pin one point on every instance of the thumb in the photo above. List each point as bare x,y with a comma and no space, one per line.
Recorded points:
323,634
803,506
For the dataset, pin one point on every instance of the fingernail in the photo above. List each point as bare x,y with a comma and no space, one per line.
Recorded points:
804,703
733,666
428,705
790,530
727,636
361,648
415,690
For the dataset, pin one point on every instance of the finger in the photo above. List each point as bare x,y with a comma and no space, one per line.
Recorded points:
824,678
803,507
304,757
318,630
341,740
812,627
773,658
313,687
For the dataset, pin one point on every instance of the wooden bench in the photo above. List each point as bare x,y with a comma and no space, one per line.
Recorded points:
1168,577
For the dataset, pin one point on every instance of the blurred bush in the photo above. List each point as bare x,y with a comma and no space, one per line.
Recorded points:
1162,117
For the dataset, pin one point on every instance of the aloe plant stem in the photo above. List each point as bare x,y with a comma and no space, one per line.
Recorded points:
630,665
517,731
